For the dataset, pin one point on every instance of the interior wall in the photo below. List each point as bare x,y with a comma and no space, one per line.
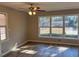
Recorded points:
17,27
33,32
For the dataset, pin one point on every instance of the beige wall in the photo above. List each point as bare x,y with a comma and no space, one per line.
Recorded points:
32,29
17,27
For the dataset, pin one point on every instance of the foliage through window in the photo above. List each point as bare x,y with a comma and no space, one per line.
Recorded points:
59,26
44,26
71,26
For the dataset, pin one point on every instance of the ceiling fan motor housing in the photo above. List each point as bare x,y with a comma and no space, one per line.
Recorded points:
32,8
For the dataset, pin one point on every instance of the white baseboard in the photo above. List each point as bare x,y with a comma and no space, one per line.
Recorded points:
22,43
10,50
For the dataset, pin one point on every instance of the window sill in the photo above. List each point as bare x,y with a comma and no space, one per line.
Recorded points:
51,37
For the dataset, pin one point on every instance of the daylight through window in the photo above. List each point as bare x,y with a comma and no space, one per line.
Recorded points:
2,27
59,26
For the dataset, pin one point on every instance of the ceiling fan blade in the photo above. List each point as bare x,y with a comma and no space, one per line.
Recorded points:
41,10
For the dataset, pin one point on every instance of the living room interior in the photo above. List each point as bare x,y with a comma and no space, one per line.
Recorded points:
39,29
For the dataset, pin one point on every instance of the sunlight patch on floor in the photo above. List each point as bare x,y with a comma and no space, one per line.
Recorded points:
50,47
60,49
53,54
15,48
29,51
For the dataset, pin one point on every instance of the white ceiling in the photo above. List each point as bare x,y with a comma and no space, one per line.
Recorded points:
48,6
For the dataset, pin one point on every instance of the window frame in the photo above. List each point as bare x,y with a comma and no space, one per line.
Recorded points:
63,36
39,28
6,26
51,26
64,26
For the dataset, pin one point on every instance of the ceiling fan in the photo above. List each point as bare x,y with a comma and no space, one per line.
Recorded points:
33,9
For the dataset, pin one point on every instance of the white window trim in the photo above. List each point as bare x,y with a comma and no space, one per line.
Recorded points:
61,37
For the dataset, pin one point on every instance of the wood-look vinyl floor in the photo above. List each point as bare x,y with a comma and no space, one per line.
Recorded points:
44,50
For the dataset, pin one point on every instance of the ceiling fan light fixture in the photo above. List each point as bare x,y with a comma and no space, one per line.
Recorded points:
30,12
34,13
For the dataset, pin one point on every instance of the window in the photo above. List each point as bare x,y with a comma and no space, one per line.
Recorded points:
59,26
2,27
71,26
44,26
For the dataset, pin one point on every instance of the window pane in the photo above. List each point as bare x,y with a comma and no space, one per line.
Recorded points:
2,33
2,20
44,31
57,25
71,26
44,21
44,24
